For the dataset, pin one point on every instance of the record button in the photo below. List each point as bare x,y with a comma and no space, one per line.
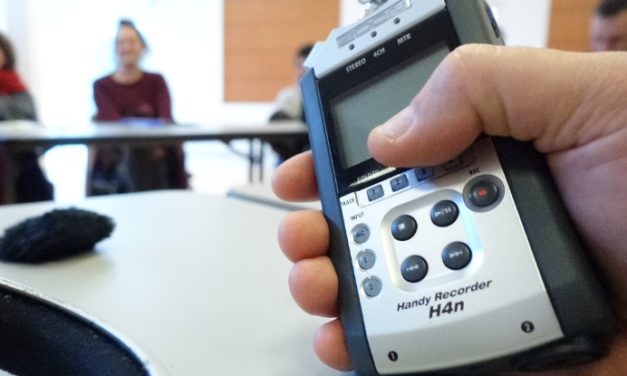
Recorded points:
483,193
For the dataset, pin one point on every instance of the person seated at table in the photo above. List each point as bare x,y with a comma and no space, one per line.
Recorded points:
27,181
289,106
133,95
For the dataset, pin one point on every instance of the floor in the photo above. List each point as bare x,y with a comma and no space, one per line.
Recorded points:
213,166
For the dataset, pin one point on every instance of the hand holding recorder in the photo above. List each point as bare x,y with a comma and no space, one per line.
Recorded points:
570,105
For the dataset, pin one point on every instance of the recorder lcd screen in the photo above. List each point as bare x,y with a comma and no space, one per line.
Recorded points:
359,110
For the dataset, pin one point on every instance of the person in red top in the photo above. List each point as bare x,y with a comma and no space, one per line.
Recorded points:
148,97
128,95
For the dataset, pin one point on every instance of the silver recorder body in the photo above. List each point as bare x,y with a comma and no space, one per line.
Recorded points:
468,267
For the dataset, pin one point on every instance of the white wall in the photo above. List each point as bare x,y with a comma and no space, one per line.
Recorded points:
3,16
524,23
63,45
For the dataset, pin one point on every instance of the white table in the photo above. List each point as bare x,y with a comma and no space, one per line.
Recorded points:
262,193
198,282
26,135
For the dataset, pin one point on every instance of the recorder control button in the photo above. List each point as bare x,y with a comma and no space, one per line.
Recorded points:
414,269
424,173
444,213
372,286
483,193
361,234
366,259
375,192
456,256
404,227
399,183
452,164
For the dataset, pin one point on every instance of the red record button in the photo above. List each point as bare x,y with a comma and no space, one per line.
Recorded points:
483,193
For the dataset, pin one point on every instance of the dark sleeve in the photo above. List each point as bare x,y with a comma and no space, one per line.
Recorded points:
163,103
105,106
17,107
280,115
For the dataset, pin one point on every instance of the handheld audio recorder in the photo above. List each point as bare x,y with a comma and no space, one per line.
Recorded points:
467,267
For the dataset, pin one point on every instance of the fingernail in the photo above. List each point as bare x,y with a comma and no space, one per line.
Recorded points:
394,128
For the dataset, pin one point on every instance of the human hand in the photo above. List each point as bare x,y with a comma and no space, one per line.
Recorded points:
569,104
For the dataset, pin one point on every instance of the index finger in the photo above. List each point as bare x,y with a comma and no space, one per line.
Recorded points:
295,179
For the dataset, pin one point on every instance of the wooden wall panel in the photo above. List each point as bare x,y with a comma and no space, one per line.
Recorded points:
570,24
261,37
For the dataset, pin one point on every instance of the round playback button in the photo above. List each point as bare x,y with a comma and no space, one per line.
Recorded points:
404,227
414,269
444,213
456,255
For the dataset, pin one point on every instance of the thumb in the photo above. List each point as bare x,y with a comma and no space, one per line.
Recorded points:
502,91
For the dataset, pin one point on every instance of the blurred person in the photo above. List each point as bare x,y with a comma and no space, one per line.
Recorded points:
289,106
608,30
20,172
133,95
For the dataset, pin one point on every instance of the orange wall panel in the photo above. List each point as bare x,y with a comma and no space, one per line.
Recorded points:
570,24
260,39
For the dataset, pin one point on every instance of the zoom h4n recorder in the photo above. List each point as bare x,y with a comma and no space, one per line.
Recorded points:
467,267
